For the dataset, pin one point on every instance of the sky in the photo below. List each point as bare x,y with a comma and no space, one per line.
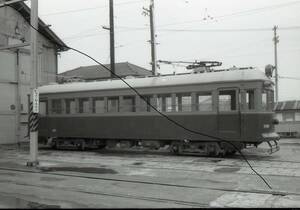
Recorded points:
234,32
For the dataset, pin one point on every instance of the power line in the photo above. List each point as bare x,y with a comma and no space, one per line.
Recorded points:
245,12
84,36
231,49
214,30
285,77
93,34
90,8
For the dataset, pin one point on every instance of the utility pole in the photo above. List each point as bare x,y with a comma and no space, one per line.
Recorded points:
153,38
33,85
112,37
276,41
151,13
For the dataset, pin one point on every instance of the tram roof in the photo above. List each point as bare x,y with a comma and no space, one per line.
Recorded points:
159,81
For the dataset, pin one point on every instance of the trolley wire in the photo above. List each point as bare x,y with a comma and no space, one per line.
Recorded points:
162,114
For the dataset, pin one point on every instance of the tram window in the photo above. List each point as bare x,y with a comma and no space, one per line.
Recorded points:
270,100
250,99
43,108
264,100
128,104
183,102
227,100
164,103
98,105
204,102
70,106
279,117
84,105
144,107
113,104
56,106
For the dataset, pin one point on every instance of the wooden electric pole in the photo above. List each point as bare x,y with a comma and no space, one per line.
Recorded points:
150,12
112,37
276,41
33,106
153,38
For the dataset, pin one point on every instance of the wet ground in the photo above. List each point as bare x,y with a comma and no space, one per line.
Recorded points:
145,179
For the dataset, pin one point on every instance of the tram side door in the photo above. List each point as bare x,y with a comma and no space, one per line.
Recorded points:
229,120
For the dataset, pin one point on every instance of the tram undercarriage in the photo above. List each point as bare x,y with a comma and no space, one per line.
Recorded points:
214,149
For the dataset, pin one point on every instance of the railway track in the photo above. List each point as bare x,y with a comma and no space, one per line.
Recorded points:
212,161
268,192
133,160
120,195
186,159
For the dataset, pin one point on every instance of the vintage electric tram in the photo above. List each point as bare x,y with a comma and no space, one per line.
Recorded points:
235,105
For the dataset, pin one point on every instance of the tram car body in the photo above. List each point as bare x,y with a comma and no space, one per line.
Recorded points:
235,105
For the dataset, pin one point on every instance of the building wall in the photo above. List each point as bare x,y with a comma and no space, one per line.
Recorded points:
289,123
15,73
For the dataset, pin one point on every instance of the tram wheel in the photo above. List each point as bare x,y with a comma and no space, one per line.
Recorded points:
54,145
101,146
81,145
231,152
175,149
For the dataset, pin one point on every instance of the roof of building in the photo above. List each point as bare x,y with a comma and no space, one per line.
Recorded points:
98,72
287,105
159,81
44,29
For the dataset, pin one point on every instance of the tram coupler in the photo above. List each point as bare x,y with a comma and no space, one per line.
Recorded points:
273,148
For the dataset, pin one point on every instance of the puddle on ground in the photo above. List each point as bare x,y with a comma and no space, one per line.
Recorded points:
51,179
13,202
208,160
7,174
81,170
227,169
46,153
138,163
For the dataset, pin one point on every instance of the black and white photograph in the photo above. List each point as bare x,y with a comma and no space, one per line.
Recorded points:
161,104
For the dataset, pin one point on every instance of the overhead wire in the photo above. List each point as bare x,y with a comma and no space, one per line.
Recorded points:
286,77
214,30
245,12
76,36
90,8
218,139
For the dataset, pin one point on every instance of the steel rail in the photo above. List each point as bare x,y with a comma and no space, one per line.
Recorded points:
269,192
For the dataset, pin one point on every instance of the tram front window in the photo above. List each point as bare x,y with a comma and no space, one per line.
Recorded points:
267,100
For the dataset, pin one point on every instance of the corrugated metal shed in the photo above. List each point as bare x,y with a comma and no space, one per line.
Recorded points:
15,67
